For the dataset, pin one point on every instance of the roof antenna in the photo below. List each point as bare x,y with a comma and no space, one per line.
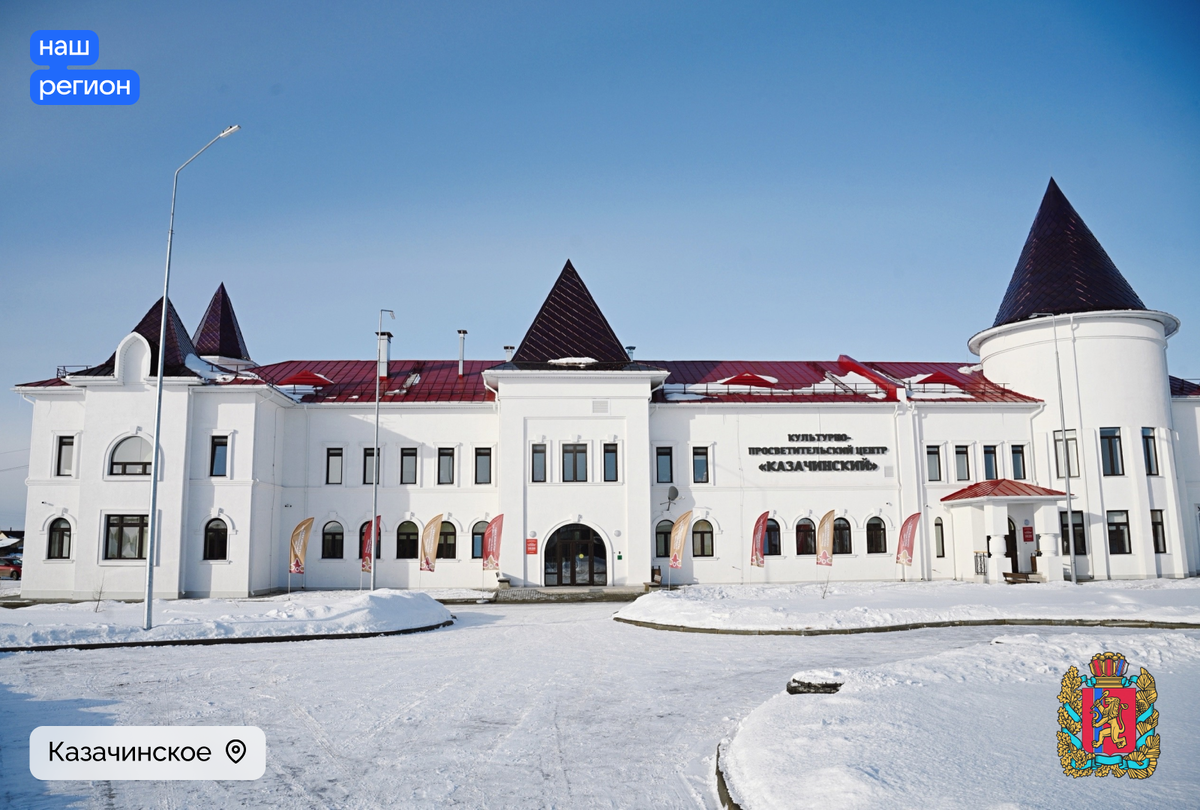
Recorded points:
508,350
462,348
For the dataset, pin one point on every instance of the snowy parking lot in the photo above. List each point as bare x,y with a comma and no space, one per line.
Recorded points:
513,706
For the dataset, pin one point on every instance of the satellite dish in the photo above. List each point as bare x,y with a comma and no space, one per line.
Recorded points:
672,494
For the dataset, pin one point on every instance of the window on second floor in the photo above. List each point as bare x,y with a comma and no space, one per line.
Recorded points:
990,471
574,462
369,466
537,464
933,462
218,457
1111,461
445,465
662,459
1018,462
65,459
962,462
1149,451
131,457
610,462
700,465
333,466
408,466
483,465
1072,454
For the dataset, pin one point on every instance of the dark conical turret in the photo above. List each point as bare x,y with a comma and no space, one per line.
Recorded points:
569,324
219,334
1063,268
177,345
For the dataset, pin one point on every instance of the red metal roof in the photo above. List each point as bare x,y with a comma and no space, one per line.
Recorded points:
1003,488
1184,388
354,380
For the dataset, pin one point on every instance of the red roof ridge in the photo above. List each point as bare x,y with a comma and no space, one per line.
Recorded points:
1003,488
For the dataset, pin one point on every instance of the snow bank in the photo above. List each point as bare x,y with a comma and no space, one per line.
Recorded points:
849,605
308,613
973,727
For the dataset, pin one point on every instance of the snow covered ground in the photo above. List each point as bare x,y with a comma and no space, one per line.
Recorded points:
542,705
972,727
301,613
850,605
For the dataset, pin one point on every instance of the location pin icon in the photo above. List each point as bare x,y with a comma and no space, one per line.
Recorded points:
235,750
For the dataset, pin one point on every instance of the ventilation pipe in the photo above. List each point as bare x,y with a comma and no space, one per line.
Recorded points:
384,354
630,350
508,350
462,348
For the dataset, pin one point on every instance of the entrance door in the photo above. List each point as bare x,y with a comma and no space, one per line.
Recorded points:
1010,547
575,555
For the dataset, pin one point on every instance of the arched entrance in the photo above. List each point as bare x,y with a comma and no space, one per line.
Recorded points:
575,555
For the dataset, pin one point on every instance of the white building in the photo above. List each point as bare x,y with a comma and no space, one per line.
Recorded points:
579,446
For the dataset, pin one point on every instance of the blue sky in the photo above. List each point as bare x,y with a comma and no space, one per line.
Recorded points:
731,180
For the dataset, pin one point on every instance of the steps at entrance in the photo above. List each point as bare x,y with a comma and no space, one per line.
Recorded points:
616,593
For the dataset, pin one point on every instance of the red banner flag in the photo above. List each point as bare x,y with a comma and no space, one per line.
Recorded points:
679,537
908,532
367,545
429,543
825,540
299,545
756,542
491,544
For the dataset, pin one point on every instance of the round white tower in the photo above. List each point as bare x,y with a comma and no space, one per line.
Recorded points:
1067,298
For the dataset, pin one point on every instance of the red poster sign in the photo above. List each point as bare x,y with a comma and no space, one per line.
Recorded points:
1027,534
367,545
756,540
531,545
491,544
908,533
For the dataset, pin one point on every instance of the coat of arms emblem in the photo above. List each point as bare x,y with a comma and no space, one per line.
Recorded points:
1107,720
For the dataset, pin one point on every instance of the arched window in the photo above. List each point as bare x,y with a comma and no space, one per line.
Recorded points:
771,543
216,540
331,541
939,538
362,541
876,536
131,456
662,539
477,540
841,536
806,537
447,542
702,541
60,540
406,541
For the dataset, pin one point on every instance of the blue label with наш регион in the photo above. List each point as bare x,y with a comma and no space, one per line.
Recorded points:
59,50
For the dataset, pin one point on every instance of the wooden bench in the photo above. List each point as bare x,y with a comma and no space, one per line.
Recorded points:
1015,579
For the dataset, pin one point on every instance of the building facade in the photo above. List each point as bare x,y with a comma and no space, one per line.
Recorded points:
590,455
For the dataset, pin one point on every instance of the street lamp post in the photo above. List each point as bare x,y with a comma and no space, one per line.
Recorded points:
1066,450
380,373
148,620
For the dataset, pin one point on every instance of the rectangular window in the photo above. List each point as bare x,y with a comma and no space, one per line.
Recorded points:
537,464
1118,533
333,465
663,461
1160,531
610,462
1018,462
483,465
477,541
989,462
962,462
445,465
218,456
408,465
939,538
1072,462
700,465
126,538
368,466
1149,451
1080,538
574,462
65,465
933,462
1110,451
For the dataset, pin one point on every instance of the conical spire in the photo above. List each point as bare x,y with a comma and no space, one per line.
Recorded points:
219,334
569,324
178,345
1063,268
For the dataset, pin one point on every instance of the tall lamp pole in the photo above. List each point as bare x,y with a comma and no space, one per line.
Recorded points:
380,373
148,620
1066,449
